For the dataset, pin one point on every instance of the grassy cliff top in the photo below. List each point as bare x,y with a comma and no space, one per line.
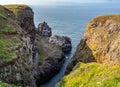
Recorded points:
104,18
92,75
5,13
20,11
16,6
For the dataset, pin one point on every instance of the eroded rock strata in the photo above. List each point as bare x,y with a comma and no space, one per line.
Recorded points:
21,54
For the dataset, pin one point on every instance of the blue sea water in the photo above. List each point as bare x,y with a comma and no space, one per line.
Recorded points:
70,20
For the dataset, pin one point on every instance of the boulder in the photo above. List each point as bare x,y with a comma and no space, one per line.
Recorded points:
44,30
63,41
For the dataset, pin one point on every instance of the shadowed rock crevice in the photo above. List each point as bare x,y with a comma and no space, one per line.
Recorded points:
50,59
83,54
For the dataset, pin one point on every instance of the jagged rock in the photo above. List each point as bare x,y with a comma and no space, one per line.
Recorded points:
44,30
100,42
63,41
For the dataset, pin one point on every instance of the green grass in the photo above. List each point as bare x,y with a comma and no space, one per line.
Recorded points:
2,84
6,29
5,13
92,75
8,41
8,38
2,13
7,52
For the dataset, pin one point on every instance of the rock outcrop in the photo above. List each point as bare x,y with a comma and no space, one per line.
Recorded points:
50,59
97,59
100,42
44,30
63,41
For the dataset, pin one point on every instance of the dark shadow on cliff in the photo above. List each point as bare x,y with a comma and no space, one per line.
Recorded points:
50,59
51,67
82,54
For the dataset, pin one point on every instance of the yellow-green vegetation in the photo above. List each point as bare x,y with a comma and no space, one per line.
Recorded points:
103,18
5,13
9,40
6,29
92,75
16,8
2,84
7,50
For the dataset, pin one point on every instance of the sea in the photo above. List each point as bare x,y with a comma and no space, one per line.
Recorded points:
70,20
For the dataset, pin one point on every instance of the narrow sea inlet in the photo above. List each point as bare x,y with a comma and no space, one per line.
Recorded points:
60,43
70,21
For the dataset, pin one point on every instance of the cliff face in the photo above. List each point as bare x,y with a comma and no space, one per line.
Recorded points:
100,42
16,58
99,49
25,58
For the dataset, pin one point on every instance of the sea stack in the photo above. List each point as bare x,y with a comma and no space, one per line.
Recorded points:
44,30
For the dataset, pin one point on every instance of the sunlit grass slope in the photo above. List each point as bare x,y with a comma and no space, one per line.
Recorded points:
92,75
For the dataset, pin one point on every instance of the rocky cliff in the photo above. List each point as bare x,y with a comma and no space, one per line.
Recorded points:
16,58
100,42
99,49
26,59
